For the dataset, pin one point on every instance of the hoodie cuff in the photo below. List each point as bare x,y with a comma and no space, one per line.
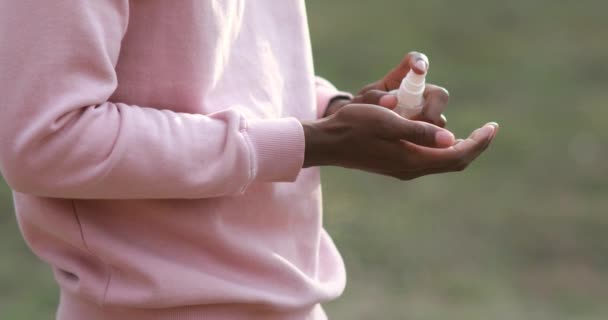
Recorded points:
278,149
326,92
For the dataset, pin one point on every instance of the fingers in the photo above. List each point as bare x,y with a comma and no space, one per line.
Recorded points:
377,85
436,100
478,141
435,103
412,61
417,61
388,101
461,154
421,133
377,97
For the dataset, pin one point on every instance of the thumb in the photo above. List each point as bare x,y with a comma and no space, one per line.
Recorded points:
423,134
377,97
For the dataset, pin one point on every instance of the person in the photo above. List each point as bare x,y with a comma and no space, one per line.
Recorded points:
163,155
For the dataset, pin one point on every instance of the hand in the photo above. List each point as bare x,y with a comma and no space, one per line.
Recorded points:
375,97
374,139
435,97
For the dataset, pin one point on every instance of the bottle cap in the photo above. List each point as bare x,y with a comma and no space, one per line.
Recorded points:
415,79
413,82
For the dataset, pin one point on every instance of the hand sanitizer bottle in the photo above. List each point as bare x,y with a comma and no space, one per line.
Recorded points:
410,94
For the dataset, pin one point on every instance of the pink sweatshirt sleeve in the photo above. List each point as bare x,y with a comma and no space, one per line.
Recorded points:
325,93
61,137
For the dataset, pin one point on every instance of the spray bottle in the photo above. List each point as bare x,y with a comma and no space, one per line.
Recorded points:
410,94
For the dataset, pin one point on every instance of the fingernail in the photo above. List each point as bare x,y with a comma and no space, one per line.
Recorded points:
420,64
489,129
388,101
444,138
496,127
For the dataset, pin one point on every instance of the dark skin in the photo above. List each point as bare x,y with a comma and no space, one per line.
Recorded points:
436,98
363,133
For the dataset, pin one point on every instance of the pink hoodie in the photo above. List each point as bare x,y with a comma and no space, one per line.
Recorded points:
155,154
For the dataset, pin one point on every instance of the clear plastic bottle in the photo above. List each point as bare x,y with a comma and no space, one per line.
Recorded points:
410,95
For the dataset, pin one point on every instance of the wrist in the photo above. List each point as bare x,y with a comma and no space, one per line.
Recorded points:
335,104
317,143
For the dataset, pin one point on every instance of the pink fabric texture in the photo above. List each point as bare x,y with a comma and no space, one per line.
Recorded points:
154,149
325,93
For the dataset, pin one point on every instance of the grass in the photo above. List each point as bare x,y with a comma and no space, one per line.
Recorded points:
520,235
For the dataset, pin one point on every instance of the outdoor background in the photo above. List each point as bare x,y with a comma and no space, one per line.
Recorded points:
521,234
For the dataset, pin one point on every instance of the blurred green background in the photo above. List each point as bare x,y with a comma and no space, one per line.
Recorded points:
521,234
